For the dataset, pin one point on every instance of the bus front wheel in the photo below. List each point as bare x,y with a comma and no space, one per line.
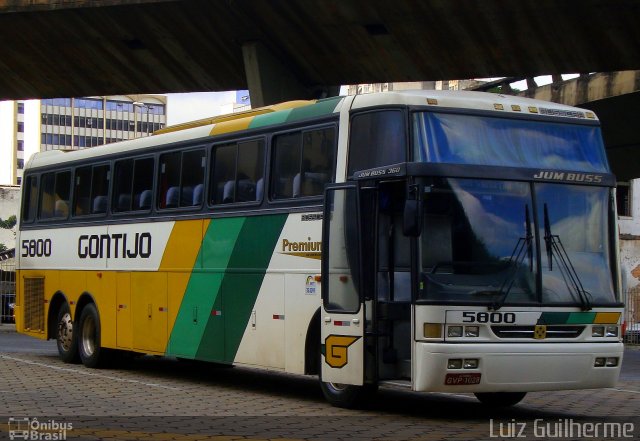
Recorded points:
66,339
91,354
346,395
500,399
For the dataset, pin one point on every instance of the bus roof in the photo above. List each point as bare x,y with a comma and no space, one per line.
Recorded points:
492,102
299,110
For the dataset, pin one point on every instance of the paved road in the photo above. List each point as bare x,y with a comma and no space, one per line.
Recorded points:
158,398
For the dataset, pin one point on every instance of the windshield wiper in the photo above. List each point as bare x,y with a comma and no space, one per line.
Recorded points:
522,249
555,249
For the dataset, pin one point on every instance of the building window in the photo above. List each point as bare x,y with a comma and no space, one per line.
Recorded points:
88,103
623,198
21,108
19,180
64,102
20,146
21,127
120,106
20,163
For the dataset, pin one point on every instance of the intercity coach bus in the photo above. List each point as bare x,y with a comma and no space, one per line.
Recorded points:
440,241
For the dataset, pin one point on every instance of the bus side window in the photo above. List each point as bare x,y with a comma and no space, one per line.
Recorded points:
303,163
169,180
286,165
142,184
62,194
376,139
192,178
54,195
224,173
250,169
30,204
100,188
122,185
47,185
238,170
82,191
318,152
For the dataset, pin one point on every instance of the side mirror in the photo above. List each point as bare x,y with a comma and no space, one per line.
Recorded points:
412,221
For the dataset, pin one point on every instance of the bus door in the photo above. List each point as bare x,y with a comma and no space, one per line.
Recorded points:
393,287
343,311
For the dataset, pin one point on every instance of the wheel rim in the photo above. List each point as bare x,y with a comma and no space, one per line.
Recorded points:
89,336
339,387
65,332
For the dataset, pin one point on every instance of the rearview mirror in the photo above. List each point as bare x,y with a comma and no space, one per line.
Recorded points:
412,220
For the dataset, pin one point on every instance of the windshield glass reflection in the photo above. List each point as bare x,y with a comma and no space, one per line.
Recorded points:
474,241
478,243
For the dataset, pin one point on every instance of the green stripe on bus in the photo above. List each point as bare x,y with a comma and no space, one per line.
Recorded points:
203,287
566,318
269,119
238,292
321,107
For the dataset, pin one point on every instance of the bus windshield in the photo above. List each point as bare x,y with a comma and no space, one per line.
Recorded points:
483,140
482,242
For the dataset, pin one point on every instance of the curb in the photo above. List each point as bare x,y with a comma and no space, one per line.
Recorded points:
8,327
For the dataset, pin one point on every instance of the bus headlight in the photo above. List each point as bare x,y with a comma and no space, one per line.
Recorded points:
454,363
611,362
597,331
470,363
600,361
611,331
471,331
454,331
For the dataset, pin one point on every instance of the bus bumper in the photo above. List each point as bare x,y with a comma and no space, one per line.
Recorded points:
515,368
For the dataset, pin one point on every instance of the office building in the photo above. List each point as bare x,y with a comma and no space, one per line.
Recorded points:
30,126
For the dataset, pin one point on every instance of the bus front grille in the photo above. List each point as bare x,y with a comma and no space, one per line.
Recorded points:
34,303
552,331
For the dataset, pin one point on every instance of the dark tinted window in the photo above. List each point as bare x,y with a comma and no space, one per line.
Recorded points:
377,139
302,163
55,190
91,189
133,185
30,199
181,180
238,172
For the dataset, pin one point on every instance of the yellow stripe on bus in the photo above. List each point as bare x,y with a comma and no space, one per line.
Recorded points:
180,259
606,318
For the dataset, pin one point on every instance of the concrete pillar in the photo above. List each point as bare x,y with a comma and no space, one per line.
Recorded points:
270,81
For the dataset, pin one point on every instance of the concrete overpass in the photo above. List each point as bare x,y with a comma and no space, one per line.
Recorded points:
284,49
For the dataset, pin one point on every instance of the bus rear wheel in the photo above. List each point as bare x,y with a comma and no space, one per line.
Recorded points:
91,354
500,399
66,339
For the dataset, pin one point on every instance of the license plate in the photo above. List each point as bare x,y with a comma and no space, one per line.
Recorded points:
462,379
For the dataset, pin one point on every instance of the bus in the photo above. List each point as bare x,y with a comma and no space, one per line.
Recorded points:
438,241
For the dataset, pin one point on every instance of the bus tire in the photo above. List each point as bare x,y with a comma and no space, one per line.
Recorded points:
500,399
91,354
66,337
346,395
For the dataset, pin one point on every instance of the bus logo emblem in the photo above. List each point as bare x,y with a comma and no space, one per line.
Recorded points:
335,349
540,332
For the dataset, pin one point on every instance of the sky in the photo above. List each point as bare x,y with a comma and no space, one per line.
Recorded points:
184,107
